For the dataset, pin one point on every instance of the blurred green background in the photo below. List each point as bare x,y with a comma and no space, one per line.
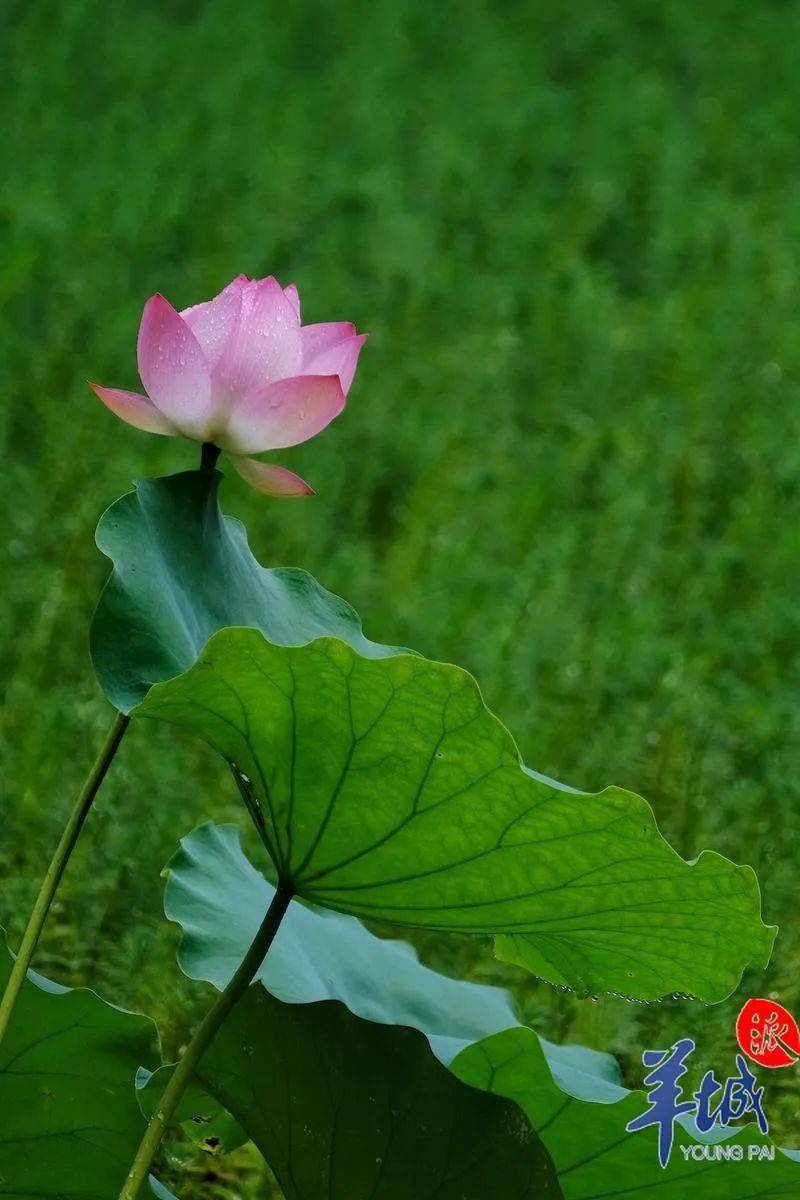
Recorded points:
570,460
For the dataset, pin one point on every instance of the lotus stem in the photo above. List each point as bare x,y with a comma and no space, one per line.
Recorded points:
208,456
202,1039
57,867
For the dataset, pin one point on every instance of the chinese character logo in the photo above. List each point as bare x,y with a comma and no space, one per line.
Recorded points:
768,1034
713,1103
664,1094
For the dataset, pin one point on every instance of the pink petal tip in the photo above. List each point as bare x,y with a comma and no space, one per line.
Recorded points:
134,408
271,479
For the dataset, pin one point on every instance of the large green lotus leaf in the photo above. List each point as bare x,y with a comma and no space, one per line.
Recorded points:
183,570
216,895
351,1110
595,1157
387,790
69,1121
218,898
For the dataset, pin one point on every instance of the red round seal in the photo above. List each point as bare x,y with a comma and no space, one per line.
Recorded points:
768,1033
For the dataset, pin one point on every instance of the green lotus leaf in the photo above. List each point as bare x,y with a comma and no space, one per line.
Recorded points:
218,898
69,1121
351,1110
182,571
385,789
596,1158
202,1119
342,1106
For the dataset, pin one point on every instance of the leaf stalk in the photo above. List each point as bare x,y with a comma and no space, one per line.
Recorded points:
202,1039
57,867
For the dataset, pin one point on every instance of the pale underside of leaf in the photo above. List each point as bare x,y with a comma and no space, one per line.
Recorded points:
341,1106
216,896
389,791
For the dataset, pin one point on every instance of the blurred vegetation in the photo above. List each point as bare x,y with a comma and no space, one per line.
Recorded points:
570,462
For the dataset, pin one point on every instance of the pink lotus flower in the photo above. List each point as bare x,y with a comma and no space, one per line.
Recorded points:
241,373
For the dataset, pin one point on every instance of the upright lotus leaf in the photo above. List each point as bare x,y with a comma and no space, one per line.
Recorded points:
182,571
596,1158
387,790
217,897
69,1121
352,1110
